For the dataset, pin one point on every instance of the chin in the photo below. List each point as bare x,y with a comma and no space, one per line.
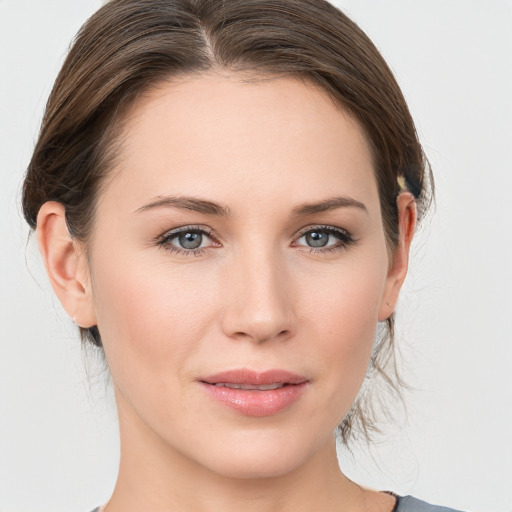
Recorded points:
255,467
260,455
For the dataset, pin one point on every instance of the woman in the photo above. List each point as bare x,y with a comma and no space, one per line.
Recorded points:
225,194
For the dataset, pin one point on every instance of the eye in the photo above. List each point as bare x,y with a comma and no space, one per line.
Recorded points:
187,240
325,238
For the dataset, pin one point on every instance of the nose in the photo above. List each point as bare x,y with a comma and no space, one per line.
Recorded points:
258,298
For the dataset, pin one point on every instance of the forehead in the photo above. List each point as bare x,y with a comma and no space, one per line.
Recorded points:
215,133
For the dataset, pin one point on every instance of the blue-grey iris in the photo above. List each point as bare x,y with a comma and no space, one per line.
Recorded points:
190,239
317,239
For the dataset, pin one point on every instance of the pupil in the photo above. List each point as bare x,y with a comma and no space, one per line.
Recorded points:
317,239
190,240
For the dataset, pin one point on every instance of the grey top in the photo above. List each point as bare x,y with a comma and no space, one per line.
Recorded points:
410,504
404,504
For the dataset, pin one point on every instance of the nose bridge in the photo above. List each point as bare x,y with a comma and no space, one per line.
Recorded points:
259,304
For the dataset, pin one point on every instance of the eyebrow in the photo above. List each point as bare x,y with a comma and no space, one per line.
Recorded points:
187,203
328,204
211,208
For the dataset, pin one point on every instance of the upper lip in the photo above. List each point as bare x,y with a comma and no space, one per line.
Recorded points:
256,378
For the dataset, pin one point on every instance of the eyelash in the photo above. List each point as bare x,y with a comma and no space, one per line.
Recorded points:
345,239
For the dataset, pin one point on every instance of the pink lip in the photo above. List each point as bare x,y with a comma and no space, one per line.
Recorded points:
256,402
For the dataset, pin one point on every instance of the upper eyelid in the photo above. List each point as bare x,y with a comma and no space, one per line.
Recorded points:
325,227
208,230
176,231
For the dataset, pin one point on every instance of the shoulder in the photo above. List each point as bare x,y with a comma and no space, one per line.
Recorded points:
410,504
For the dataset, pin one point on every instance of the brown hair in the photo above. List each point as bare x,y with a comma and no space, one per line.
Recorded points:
129,46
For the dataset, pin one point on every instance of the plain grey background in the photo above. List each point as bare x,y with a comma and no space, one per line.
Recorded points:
453,59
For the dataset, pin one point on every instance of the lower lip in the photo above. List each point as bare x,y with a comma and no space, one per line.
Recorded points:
257,403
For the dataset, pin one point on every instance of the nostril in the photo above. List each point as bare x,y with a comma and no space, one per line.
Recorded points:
257,322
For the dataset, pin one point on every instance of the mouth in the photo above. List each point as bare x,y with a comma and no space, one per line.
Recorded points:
255,393
251,387
254,379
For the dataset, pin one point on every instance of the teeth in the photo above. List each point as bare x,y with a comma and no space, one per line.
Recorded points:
252,387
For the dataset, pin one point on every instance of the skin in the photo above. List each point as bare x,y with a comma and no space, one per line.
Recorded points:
255,295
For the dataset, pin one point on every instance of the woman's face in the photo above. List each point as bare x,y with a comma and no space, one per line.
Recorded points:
238,268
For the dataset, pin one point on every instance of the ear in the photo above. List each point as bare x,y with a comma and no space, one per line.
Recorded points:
400,256
65,264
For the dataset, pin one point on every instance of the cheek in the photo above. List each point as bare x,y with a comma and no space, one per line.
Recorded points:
345,299
342,313
149,316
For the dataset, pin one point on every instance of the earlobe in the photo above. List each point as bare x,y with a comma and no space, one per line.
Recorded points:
65,264
400,261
